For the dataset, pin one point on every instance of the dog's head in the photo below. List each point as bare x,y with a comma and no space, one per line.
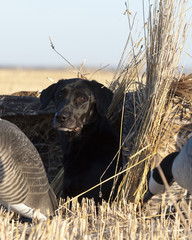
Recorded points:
76,101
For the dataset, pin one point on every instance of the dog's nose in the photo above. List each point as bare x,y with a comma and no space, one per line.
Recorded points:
62,116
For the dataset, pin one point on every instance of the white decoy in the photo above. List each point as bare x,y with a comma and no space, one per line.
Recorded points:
176,167
24,186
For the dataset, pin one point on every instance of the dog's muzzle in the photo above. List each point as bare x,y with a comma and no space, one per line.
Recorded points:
60,120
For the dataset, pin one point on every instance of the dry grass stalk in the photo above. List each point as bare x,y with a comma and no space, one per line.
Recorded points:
126,72
118,221
122,220
164,41
183,87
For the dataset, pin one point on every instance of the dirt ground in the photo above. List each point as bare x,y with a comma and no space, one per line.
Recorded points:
15,80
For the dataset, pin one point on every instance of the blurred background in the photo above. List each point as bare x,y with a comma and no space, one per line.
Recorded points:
93,32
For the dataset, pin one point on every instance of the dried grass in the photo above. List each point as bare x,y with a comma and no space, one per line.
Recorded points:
153,110
118,221
156,100
15,80
165,35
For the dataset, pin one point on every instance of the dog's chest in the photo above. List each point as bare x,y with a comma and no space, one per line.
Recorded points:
95,149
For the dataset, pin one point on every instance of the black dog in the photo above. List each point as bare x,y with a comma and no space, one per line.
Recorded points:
88,140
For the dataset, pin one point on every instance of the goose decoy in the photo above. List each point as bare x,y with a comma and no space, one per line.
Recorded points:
177,167
24,186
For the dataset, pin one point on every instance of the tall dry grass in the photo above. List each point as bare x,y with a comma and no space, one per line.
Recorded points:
164,37
165,33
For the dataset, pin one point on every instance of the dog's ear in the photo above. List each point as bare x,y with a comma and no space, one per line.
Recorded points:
103,97
47,95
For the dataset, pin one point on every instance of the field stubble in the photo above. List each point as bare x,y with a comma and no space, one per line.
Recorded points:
15,80
118,221
122,219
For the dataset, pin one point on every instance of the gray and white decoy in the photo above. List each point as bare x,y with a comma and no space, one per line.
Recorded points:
176,167
24,186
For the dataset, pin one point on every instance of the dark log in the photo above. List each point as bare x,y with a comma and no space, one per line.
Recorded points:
22,104
23,109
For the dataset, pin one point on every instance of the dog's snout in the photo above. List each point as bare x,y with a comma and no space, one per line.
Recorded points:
62,117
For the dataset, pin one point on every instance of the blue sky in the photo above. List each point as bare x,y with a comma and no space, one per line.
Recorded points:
80,29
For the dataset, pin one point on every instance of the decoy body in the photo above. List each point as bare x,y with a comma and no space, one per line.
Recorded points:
24,186
176,167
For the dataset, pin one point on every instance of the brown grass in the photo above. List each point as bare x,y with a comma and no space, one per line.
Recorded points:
118,221
165,35
121,220
14,80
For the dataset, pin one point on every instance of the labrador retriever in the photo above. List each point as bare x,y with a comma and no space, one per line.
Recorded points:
88,140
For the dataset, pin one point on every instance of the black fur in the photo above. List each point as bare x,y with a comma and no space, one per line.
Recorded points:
88,140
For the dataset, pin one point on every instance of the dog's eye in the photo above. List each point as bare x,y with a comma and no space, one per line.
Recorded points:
81,99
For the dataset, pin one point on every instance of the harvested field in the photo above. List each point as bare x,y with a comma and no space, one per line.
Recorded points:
122,220
161,115
119,221
15,80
